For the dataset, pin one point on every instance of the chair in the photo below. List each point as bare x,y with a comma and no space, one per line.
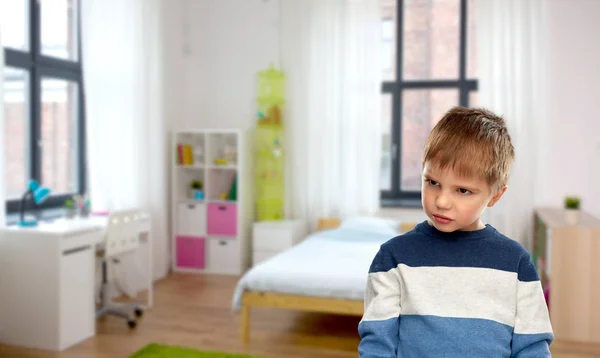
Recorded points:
122,236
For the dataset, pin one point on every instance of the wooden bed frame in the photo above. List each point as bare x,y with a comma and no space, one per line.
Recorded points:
303,303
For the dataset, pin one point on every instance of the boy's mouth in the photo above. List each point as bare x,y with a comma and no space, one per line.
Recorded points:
441,219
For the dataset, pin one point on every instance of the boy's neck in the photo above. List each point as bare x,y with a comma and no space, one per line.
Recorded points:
477,225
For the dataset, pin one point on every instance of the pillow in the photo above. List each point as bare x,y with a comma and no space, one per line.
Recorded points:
372,224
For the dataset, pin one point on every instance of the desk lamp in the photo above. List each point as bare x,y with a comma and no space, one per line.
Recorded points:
38,194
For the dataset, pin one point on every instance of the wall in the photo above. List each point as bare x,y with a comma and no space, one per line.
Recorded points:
216,48
570,153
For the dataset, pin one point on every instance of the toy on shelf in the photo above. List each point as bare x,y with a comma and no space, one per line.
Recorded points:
232,195
197,192
229,154
189,149
225,150
185,154
198,154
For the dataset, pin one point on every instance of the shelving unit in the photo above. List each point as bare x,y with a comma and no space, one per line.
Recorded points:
566,257
211,229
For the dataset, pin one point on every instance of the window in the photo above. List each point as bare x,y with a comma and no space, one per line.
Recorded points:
43,99
429,66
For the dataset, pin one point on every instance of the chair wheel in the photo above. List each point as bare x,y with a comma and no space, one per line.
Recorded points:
131,324
138,312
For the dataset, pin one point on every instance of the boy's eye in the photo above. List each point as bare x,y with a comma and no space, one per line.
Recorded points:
432,182
464,191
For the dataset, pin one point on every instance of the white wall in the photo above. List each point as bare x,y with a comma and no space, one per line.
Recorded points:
216,49
570,154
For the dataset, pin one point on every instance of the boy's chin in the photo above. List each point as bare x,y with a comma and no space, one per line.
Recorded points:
450,227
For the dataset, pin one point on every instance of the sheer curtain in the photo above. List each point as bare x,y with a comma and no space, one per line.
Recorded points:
2,134
512,47
331,57
126,131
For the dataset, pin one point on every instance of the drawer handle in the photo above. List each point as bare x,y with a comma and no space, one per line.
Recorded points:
191,206
222,207
222,242
75,250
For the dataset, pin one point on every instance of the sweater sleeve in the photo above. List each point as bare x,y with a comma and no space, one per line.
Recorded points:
378,328
533,333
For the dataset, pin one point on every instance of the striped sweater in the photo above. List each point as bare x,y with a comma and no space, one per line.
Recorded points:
461,294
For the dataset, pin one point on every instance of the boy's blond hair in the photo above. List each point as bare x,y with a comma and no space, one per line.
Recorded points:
474,142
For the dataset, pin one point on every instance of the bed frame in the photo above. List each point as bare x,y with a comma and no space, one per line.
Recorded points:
303,303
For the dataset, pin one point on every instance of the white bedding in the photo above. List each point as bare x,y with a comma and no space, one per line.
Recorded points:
332,264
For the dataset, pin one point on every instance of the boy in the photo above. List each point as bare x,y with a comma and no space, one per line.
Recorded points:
453,286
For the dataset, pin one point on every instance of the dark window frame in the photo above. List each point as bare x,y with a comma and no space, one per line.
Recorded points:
396,196
41,66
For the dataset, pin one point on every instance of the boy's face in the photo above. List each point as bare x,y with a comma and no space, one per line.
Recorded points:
453,202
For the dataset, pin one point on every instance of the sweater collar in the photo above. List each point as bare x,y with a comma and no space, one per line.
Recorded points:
430,230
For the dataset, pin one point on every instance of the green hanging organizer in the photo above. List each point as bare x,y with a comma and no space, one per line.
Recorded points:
269,153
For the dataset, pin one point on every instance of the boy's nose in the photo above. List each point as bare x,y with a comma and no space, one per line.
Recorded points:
443,202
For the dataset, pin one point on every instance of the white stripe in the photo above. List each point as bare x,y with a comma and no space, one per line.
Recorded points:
464,292
532,312
382,296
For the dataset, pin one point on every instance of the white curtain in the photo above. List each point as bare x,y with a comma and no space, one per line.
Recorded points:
511,50
126,131
2,134
331,57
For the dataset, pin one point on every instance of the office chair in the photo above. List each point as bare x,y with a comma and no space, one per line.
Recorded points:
122,236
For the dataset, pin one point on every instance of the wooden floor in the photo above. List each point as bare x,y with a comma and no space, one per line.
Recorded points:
195,311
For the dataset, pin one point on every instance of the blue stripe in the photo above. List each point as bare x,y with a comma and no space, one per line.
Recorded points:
425,246
379,339
532,345
432,336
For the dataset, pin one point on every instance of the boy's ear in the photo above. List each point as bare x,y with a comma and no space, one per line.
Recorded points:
497,196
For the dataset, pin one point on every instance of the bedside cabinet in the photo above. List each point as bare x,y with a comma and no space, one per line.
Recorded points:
272,237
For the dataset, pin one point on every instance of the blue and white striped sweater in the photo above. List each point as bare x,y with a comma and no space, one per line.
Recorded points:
461,294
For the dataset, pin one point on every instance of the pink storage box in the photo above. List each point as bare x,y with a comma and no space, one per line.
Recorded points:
190,252
222,219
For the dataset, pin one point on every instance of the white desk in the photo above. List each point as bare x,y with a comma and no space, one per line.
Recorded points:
47,282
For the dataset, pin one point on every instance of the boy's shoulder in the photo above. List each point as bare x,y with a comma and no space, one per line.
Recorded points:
407,238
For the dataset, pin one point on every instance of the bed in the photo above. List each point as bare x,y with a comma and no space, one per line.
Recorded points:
326,272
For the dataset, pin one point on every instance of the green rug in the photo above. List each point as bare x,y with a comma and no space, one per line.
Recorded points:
162,351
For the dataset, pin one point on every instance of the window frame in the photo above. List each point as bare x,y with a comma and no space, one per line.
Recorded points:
39,67
395,196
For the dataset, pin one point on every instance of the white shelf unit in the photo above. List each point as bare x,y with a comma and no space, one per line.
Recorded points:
211,234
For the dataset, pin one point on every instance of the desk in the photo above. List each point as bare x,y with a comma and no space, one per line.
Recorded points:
47,282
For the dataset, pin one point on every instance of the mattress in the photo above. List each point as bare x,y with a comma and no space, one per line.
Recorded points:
331,264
